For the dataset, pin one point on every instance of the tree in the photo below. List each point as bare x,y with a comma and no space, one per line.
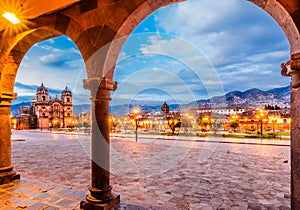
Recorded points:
203,121
215,126
234,125
173,124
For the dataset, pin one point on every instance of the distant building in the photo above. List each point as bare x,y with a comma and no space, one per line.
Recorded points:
223,110
45,113
165,108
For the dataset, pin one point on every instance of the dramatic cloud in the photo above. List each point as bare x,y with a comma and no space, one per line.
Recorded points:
56,62
194,49
243,44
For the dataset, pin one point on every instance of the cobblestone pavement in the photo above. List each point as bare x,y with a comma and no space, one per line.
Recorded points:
152,173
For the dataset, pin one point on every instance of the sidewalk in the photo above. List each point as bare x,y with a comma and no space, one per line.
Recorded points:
209,139
274,142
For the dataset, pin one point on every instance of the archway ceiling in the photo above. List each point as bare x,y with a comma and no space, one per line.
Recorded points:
30,9
293,7
33,9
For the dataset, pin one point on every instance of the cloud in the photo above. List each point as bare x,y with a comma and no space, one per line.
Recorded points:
57,63
197,48
223,28
60,58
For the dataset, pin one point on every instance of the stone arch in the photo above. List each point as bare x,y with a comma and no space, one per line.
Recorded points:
284,20
279,12
93,24
14,56
129,24
272,7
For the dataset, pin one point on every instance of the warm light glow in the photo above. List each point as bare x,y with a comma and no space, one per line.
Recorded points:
11,18
136,110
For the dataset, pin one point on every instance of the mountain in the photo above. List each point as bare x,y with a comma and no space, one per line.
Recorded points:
77,109
15,108
250,98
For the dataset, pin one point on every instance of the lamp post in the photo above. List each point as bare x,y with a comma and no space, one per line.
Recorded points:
136,111
260,117
274,120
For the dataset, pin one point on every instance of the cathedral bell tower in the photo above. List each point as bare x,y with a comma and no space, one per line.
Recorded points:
42,95
66,98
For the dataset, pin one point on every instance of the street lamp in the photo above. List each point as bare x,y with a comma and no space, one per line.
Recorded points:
274,120
260,117
136,111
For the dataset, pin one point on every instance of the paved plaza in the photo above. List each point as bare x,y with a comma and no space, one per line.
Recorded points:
153,173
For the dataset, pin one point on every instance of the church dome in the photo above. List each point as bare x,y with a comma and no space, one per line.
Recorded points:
66,92
42,89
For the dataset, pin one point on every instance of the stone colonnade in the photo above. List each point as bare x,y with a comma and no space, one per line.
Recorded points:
292,69
92,25
101,196
7,174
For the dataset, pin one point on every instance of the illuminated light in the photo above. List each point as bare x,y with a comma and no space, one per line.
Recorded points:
136,110
11,18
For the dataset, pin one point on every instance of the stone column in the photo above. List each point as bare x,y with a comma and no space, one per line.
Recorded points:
292,69
101,196
7,174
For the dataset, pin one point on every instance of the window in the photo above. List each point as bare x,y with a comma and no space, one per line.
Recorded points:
68,99
43,98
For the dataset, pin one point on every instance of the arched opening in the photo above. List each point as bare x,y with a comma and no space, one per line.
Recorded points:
267,60
60,58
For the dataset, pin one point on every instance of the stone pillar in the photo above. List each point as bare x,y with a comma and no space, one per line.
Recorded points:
101,196
292,69
7,174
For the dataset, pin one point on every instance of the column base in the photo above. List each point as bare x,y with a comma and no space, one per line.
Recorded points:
86,205
7,175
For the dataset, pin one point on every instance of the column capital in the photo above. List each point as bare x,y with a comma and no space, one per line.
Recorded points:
292,68
100,87
96,83
6,98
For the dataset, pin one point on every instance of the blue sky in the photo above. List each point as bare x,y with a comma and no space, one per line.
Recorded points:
187,51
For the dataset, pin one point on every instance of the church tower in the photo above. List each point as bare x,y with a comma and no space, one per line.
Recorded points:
42,95
165,108
41,109
66,98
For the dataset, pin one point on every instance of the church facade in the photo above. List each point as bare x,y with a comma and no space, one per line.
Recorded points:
47,113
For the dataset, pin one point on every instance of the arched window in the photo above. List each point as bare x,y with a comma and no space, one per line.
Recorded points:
68,99
44,98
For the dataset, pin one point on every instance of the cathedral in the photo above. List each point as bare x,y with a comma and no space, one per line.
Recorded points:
46,113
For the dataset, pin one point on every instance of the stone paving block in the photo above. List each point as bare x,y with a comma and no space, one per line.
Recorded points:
37,206
65,203
52,199
25,202
42,196
15,200
8,207
53,208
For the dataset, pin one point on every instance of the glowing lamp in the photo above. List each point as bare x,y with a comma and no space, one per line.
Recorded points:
11,17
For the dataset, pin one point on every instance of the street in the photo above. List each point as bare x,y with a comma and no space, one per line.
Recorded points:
162,172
